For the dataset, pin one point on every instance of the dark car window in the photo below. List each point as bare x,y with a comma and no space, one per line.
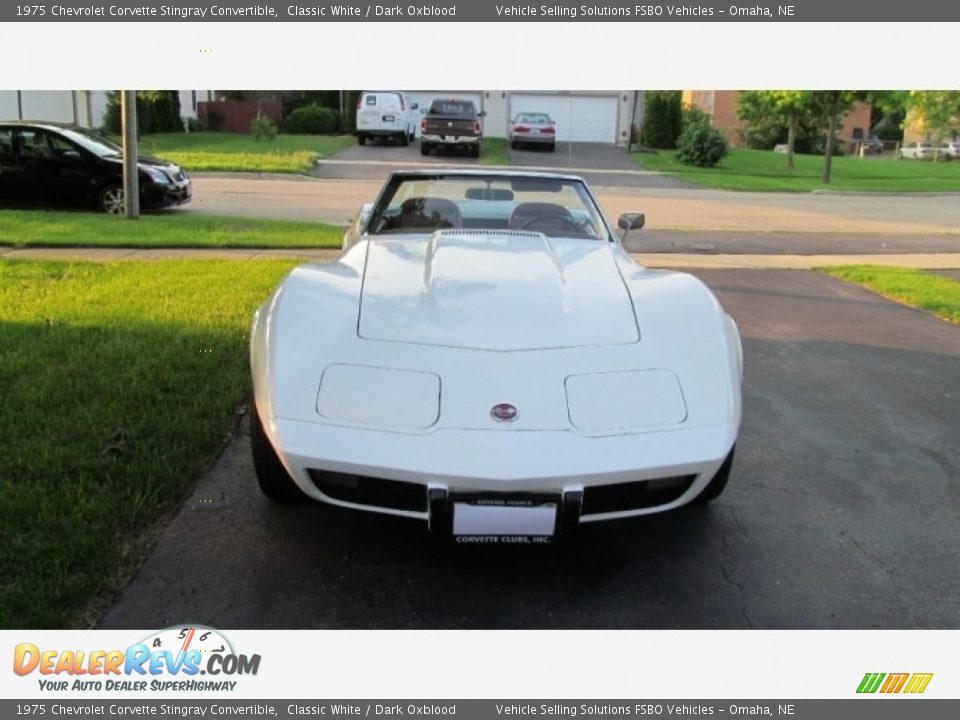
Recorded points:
6,145
91,142
32,145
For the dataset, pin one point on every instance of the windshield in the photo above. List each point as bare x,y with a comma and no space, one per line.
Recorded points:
97,144
552,206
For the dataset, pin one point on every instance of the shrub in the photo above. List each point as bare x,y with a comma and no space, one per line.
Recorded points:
312,120
662,119
700,144
157,111
263,128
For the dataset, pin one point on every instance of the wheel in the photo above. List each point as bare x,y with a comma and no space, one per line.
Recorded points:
362,138
475,151
274,480
404,140
424,148
110,200
716,486
514,144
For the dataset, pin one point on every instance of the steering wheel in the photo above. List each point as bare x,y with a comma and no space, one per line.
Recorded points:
549,218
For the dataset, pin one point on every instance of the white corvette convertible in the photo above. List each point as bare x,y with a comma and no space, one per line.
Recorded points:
485,357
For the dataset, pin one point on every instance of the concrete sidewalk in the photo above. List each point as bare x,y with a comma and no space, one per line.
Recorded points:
925,261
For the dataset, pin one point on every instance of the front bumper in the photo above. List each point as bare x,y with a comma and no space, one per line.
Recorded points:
155,195
420,476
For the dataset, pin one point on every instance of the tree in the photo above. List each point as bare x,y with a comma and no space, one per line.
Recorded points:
939,111
662,119
832,104
769,112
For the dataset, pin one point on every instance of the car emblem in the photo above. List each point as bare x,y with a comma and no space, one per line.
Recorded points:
504,412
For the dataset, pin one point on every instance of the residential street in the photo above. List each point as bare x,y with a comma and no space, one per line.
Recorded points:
336,201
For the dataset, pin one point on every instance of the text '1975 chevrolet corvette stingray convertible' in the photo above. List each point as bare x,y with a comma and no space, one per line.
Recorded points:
485,357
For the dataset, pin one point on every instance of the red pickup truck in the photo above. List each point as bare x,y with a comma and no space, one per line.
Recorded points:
452,124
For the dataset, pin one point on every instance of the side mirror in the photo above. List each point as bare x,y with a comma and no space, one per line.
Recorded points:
482,113
71,156
631,221
414,106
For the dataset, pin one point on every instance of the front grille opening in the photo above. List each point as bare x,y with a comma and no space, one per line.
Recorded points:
376,492
600,499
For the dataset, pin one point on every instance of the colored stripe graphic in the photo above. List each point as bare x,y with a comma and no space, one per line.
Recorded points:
894,683
918,682
870,682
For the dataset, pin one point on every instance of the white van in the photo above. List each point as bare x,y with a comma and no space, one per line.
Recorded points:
386,115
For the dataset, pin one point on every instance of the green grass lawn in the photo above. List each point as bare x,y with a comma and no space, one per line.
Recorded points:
917,288
120,383
166,229
494,151
766,170
229,152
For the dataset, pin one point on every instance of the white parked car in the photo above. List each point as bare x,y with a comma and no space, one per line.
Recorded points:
917,151
485,357
386,115
951,150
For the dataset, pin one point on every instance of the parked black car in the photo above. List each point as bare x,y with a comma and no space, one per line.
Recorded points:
52,166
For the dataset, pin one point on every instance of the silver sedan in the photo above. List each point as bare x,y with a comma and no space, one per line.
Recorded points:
535,128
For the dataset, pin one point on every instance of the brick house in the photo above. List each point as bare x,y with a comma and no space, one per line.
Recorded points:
721,106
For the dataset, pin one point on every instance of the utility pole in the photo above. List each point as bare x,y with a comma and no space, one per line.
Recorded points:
131,179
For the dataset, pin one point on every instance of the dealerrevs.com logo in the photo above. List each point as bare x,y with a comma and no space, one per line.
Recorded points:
176,659
892,683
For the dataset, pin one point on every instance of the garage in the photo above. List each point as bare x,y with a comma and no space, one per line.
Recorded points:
424,97
579,118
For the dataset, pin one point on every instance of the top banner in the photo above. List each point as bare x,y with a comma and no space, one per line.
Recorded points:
862,13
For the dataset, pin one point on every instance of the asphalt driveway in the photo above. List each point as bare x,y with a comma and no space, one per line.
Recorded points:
598,163
843,510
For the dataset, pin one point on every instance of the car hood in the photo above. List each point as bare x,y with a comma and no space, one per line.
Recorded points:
495,290
145,160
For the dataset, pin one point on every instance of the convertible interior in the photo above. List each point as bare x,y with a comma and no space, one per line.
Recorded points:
486,209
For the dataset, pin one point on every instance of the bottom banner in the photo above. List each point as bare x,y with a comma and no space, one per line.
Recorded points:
887,709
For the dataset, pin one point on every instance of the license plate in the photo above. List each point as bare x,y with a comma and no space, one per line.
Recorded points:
505,519
389,118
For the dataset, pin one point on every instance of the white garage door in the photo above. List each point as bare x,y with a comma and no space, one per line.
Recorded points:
579,119
424,98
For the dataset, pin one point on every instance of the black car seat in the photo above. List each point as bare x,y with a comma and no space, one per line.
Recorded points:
525,213
429,213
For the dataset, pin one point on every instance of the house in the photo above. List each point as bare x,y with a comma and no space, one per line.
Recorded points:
721,106
85,108
603,116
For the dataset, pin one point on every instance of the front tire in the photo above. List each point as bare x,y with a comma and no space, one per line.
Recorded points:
361,138
718,484
424,148
475,151
274,480
110,200
404,140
